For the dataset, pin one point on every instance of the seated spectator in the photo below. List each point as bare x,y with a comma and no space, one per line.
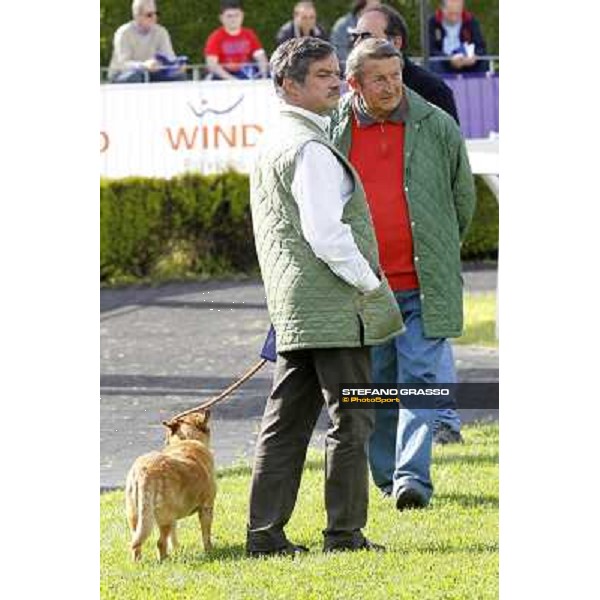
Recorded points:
303,24
233,51
340,34
456,33
142,49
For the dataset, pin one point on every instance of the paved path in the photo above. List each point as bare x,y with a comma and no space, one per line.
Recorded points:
168,348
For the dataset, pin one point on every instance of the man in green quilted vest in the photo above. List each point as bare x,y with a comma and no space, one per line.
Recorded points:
327,300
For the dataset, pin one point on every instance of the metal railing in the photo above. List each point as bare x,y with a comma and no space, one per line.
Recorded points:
493,60
200,72
194,72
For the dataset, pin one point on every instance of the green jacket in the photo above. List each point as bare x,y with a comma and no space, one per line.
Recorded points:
440,193
310,306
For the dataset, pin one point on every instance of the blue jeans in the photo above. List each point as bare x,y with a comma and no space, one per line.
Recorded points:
400,446
445,406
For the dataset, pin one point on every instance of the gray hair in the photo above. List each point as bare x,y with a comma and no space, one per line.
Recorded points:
369,49
139,7
292,59
304,4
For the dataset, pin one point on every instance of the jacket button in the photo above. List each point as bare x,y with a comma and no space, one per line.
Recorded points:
416,259
412,223
422,296
406,188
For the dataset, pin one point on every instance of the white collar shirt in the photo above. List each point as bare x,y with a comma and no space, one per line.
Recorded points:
321,187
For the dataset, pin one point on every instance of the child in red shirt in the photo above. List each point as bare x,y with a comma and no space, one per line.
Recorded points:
231,50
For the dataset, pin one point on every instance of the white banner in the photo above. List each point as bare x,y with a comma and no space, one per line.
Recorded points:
164,129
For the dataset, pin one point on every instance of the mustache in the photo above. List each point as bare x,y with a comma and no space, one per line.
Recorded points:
334,92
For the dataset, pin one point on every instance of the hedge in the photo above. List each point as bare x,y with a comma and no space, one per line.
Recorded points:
200,225
482,239
190,21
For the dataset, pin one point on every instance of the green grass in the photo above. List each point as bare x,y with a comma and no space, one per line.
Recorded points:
480,320
449,550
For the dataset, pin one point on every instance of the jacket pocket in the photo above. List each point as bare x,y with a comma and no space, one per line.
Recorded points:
380,315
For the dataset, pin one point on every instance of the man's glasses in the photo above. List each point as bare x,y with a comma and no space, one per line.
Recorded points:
152,14
358,36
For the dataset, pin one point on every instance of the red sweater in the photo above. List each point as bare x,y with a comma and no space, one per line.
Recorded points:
377,153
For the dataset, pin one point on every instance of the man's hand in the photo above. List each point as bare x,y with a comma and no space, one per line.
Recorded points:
212,63
458,61
151,65
260,57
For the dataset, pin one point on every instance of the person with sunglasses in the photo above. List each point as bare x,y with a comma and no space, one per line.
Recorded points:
342,27
386,23
139,46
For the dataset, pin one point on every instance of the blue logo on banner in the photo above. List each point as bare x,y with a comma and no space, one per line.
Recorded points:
205,111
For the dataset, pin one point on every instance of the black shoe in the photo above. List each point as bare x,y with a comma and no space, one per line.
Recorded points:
409,498
446,435
289,550
350,546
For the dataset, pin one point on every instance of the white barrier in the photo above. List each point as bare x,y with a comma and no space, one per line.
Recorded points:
165,129
484,155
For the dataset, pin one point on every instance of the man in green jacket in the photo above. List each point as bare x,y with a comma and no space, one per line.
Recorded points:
327,300
413,163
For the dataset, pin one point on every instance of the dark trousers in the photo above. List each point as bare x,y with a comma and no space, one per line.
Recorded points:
303,380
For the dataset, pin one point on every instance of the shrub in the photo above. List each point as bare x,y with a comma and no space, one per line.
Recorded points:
200,225
132,227
482,238
168,229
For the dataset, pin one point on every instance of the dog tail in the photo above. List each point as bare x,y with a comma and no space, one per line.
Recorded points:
140,511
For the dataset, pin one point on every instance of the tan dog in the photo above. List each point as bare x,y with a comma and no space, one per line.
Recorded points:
177,482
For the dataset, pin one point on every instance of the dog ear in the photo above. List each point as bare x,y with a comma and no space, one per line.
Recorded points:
202,420
202,417
172,425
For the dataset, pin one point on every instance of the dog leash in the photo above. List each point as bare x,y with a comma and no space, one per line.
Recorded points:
225,392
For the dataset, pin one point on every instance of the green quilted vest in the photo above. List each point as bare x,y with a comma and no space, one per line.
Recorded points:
309,306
